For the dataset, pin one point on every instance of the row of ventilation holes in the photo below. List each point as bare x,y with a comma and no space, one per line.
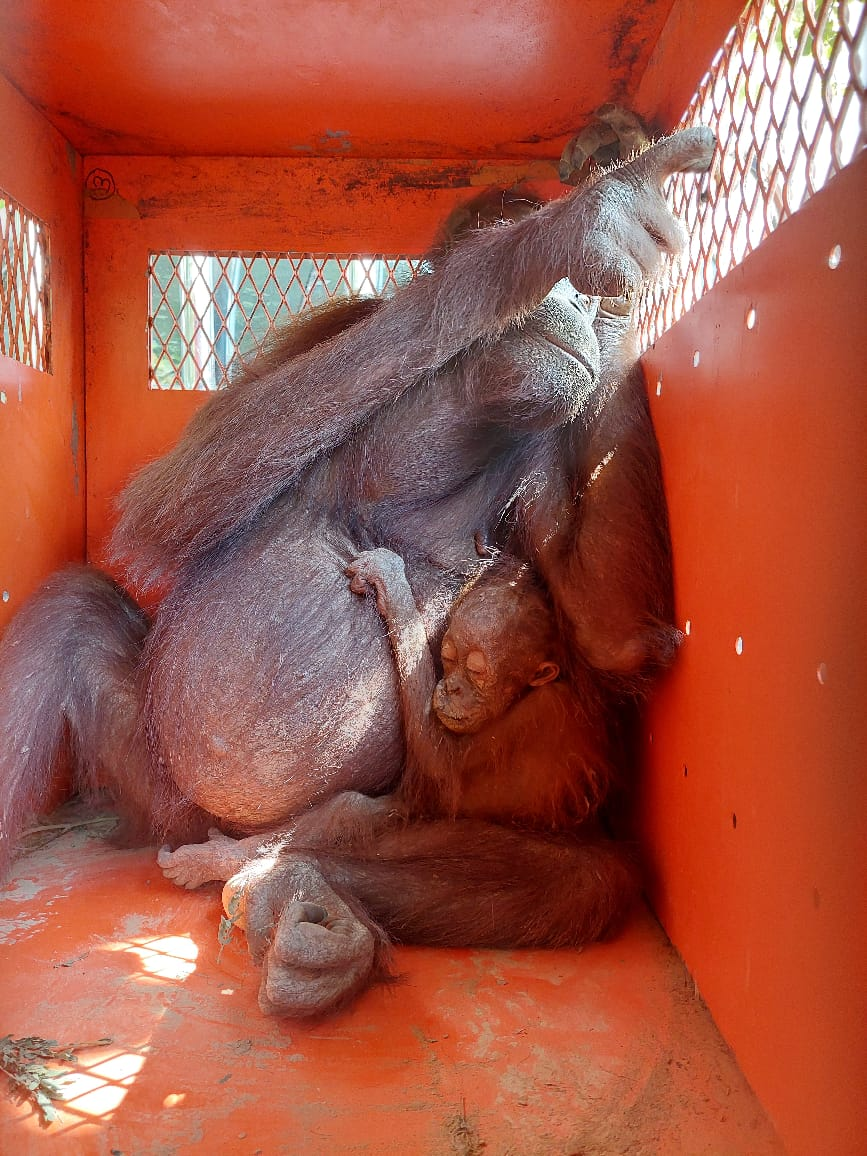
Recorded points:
834,259
821,669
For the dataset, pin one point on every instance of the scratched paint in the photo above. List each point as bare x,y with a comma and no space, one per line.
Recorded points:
13,930
479,1047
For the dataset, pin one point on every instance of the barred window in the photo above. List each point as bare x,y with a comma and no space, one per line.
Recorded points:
25,297
209,309
785,95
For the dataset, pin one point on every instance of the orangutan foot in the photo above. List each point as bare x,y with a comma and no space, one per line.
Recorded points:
197,863
316,953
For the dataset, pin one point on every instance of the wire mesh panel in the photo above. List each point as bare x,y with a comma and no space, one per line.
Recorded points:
209,309
785,96
25,297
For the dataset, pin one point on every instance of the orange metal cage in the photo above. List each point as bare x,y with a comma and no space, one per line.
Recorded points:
752,808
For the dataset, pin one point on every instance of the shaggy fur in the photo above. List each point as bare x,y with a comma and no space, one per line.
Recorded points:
480,403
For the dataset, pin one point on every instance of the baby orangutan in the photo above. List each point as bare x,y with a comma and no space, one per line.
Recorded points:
499,742
500,736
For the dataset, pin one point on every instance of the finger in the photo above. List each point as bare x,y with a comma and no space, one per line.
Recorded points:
644,249
621,275
358,585
259,915
315,948
164,856
666,232
688,151
215,833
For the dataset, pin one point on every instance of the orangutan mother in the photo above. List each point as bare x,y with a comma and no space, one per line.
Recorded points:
479,403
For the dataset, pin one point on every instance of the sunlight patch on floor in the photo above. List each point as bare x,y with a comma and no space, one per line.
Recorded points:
100,1089
171,957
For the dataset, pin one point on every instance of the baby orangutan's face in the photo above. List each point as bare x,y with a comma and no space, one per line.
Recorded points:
487,665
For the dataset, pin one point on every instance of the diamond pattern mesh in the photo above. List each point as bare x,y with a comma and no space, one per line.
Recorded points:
208,309
25,297
785,96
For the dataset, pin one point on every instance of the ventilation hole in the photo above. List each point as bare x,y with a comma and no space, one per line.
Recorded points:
5,595
734,821
739,645
751,318
2,397
835,257
687,626
685,770
650,738
822,673
696,357
659,386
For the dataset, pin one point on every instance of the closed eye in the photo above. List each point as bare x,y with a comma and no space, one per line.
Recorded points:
448,651
477,666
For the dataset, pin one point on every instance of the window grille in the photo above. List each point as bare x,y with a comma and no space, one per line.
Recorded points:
209,309
785,96
25,298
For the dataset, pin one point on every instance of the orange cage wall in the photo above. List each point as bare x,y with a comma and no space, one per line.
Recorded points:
753,805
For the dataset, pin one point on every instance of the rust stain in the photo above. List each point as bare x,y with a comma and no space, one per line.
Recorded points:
114,208
334,141
629,45
75,445
72,157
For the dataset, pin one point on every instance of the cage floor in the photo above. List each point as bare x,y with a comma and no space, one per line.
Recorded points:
473,1053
